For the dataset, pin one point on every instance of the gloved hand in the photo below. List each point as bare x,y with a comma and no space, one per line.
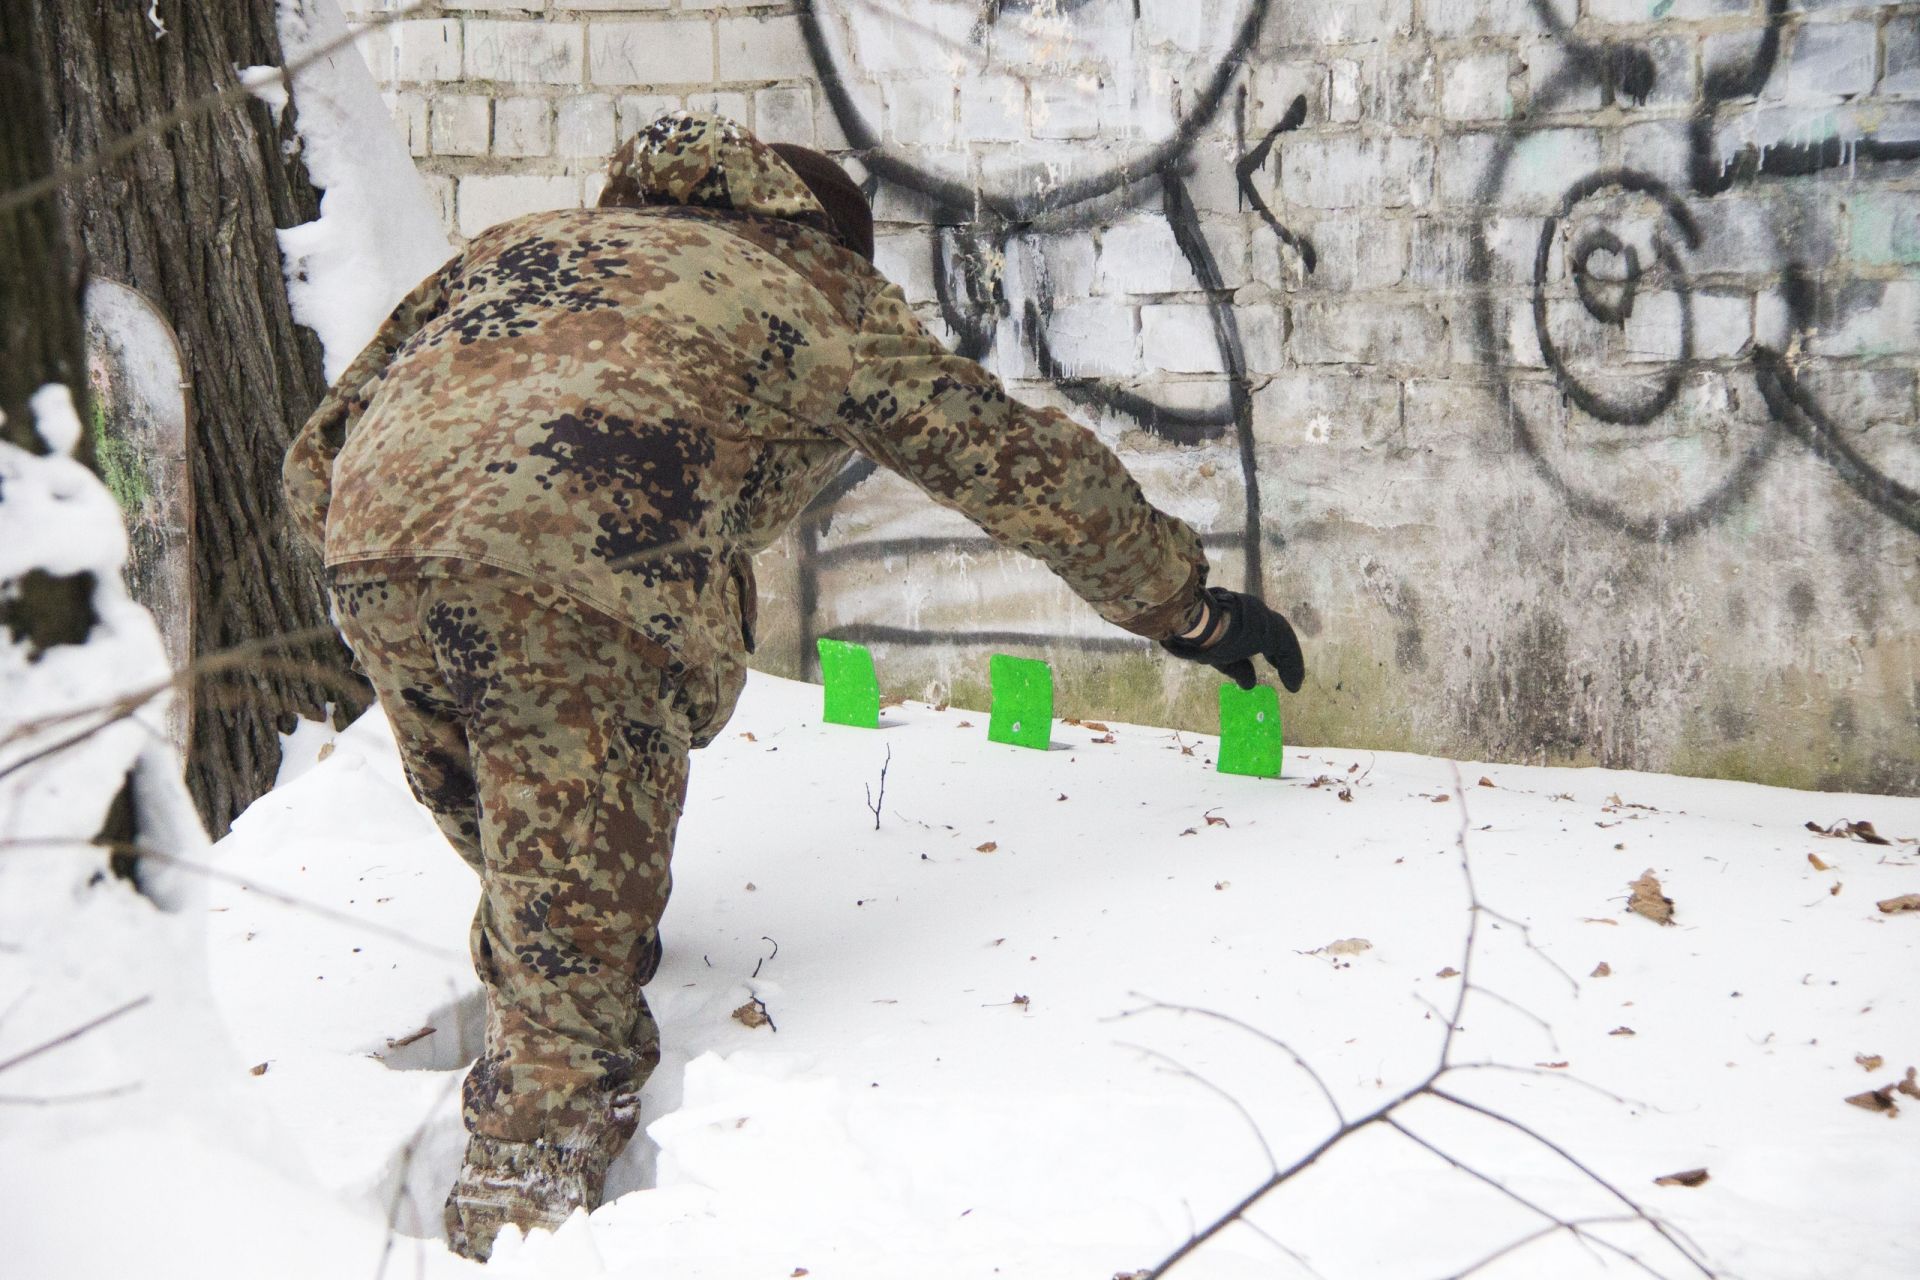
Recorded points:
1240,627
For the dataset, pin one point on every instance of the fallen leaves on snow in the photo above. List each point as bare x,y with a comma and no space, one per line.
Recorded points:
1602,970
1904,903
1648,901
988,847
1861,831
1685,1178
1214,820
752,1014
1623,1031
1870,1061
1818,865
1448,972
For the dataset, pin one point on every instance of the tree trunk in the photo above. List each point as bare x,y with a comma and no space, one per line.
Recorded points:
189,221
40,334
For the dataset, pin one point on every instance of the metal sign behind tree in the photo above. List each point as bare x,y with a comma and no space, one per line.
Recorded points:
139,428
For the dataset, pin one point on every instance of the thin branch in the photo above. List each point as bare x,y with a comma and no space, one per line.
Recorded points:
1516,1197
1553,1041
1181,1069
1153,1005
1553,1228
875,803
62,1099
239,882
1659,1228
1559,1076
70,1036
400,1193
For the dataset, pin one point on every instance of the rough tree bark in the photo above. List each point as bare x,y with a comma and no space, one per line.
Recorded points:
40,333
189,220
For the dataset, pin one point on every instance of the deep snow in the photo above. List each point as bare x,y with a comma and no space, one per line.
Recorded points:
952,1088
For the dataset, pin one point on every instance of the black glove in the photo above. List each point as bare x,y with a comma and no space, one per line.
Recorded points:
1244,627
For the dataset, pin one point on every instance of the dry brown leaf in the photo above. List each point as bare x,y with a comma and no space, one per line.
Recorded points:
1686,1178
1648,901
749,737
1061,796
1021,1000
1223,884
1104,740
988,847
1861,831
1905,902
1347,947
1833,890
1552,1066
799,1271
1094,726
1190,831
1818,865
1870,1061
1441,799
1214,820
1909,1085
326,749
751,886
1485,781
1448,972
1602,970
258,1070
752,1014
964,724
1597,920
1623,1031
1880,1100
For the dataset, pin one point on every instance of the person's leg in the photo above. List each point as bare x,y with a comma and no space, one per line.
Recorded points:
380,620
579,755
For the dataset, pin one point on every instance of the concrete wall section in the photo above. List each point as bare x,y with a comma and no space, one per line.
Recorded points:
1556,368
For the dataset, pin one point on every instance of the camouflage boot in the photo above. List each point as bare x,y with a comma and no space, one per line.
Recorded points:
530,1184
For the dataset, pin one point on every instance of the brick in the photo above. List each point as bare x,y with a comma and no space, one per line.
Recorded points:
784,114
440,191
523,52
583,125
921,111
1330,409
524,6
1903,56
731,105
1347,172
1664,11
1183,24
1543,164
426,51
906,258
1358,252
1180,338
993,109
1451,18
1367,330
1343,91
614,6
1722,325
410,117
1476,87
460,125
1868,318
1059,266
375,47
1555,83
490,198
521,127
1141,256
1832,59
1325,22
756,48
669,52
1094,339
1063,114
638,110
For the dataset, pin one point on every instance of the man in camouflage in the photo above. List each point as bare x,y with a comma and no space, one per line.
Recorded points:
538,492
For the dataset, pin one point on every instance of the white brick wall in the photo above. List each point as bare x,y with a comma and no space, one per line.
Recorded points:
1437,138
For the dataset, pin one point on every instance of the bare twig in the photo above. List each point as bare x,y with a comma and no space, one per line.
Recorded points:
69,1037
400,1194
1430,1087
1181,1069
763,959
238,882
62,1099
1298,1061
874,802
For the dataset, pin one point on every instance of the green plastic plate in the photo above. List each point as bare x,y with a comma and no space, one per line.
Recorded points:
1022,702
852,689
1250,741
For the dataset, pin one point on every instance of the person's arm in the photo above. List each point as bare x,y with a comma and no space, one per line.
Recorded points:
307,474
1034,479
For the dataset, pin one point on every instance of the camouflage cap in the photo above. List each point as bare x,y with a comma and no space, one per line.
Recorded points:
709,162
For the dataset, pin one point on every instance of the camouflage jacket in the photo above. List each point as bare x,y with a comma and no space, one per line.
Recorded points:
626,402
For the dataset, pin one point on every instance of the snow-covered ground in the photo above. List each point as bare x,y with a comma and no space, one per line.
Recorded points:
964,1074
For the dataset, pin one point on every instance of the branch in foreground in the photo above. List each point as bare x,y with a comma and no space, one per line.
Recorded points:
70,1036
1429,1087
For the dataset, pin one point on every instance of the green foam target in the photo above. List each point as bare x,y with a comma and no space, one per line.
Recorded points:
852,688
1022,702
1250,738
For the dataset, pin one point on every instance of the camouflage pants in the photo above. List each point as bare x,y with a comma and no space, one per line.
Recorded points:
554,757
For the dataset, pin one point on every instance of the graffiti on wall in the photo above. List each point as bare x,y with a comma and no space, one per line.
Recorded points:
1645,227
1634,294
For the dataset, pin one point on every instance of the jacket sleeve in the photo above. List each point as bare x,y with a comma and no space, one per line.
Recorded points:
306,476
1034,479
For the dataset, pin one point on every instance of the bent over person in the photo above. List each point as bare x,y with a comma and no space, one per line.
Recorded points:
538,491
